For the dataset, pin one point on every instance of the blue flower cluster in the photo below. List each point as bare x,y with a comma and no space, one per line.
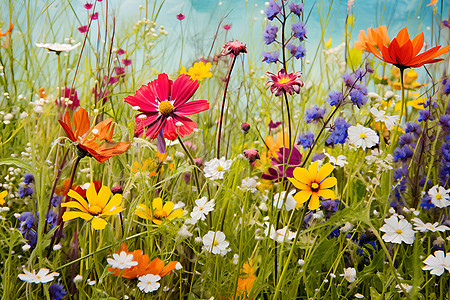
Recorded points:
270,57
296,8
314,114
57,291
27,228
270,34
446,86
299,30
339,132
272,10
358,91
26,189
306,140
335,98
296,51
444,169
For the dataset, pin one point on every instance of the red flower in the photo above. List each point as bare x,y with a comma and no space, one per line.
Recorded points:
88,5
233,47
94,16
227,27
164,104
404,53
180,16
121,51
126,62
284,82
83,28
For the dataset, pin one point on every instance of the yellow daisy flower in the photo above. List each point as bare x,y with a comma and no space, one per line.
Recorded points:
159,213
96,206
2,197
199,71
313,183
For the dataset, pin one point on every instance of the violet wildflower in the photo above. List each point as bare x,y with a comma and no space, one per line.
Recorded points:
339,133
296,8
413,128
317,156
51,218
25,191
306,140
270,57
405,139
270,34
446,86
273,125
424,115
403,153
296,51
358,98
314,114
28,178
56,200
335,98
272,10
425,202
282,160
299,30
444,121
57,291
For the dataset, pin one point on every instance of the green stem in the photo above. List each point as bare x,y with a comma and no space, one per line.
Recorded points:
197,182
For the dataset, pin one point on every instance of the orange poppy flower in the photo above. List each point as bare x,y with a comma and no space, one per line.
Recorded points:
246,280
8,32
404,53
97,141
371,38
155,267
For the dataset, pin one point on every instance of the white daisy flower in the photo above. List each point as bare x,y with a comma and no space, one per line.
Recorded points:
42,276
215,243
280,235
148,283
437,263
122,261
202,209
362,137
215,168
380,116
249,184
278,200
349,274
439,196
397,231
405,287
58,47
340,161
424,227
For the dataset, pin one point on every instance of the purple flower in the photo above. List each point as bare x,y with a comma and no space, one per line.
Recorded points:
358,98
296,51
425,202
56,200
317,156
306,140
25,191
273,125
314,114
270,34
270,57
296,8
28,178
444,121
339,134
26,221
335,98
51,218
57,291
299,30
424,115
413,128
446,86
276,172
272,10
405,139
403,153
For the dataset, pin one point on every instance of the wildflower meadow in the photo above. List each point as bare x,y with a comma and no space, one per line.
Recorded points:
234,149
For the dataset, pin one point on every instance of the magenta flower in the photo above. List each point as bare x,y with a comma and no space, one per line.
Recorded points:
126,62
121,51
83,28
227,27
163,104
276,172
233,47
94,16
88,6
119,70
180,16
284,82
71,96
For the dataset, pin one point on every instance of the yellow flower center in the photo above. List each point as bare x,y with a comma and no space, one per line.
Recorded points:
363,136
200,208
284,80
219,168
165,108
314,186
399,231
216,242
438,196
95,210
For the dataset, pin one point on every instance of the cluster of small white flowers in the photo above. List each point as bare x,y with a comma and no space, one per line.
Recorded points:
7,117
381,164
38,105
282,235
279,200
340,160
249,184
381,116
334,55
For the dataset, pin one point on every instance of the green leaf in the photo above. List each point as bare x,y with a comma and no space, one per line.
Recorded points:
16,162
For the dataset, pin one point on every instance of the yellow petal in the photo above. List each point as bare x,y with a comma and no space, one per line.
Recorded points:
328,182
98,223
178,213
103,196
313,169
77,197
114,202
157,204
298,184
314,202
91,195
327,194
168,206
302,175
143,212
74,204
157,221
302,196
116,210
69,215
324,171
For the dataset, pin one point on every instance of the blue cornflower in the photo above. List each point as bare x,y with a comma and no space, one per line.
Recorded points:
299,30
51,218
423,180
270,57
296,51
28,178
272,10
25,191
31,237
335,233
306,140
405,139
314,114
358,98
339,134
296,8
444,121
56,200
399,173
335,97
57,291
403,153
26,220
413,128
270,34
424,115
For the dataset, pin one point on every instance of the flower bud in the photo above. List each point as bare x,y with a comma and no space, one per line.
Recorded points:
251,155
245,127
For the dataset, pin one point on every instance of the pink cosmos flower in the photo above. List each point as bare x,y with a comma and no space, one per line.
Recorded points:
233,47
284,82
180,16
227,27
83,28
164,104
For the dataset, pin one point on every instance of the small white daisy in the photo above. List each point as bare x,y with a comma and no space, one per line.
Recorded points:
340,161
349,274
216,168
249,184
397,231
380,116
439,196
437,263
149,283
424,227
278,200
122,261
42,276
58,47
202,209
362,137
215,243
280,235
